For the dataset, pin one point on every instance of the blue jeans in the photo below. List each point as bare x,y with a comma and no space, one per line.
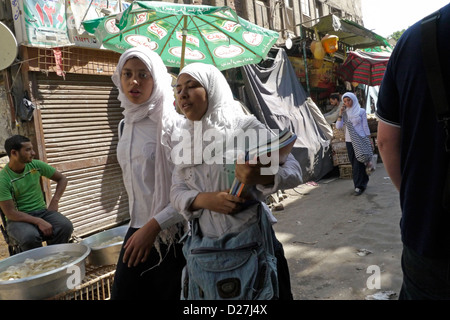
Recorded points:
424,278
28,236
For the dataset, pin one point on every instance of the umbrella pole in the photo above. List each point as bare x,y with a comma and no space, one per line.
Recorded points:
367,96
183,43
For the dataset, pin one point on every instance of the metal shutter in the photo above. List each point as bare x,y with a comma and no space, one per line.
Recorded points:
79,116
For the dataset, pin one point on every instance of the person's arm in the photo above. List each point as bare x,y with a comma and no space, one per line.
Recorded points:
288,175
250,174
138,246
339,121
389,142
365,123
61,184
220,201
13,214
181,197
190,203
267,174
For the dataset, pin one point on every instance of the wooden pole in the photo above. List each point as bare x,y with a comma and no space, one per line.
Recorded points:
183,43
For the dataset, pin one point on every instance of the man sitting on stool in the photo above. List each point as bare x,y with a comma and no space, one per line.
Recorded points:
30,222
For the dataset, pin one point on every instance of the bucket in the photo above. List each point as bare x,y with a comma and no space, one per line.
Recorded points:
330,43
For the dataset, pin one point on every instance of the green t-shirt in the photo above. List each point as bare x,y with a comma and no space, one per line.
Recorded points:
26,185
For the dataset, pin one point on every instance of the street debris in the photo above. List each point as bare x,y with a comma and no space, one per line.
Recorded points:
381,295
363,252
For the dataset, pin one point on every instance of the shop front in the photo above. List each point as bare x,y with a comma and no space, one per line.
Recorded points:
317,72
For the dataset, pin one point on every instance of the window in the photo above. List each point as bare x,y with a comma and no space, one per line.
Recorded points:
262,14
336,12
319,9
289,3
304,6
289,24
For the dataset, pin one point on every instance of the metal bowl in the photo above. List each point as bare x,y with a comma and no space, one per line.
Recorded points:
47,284
107,254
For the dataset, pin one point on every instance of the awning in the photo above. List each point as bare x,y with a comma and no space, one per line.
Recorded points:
349,32
364,67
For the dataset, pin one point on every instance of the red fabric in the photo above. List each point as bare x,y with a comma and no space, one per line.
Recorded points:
364,67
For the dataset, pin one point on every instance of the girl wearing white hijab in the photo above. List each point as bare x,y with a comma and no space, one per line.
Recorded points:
151,259
200,185
355,116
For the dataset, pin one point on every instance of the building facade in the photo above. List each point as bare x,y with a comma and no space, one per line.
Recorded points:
287,16
74,126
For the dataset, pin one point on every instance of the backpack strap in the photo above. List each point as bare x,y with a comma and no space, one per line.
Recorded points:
434,71
436,85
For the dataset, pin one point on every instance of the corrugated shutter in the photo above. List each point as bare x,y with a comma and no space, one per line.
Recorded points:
80,115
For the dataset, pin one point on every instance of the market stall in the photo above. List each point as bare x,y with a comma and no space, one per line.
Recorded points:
316,66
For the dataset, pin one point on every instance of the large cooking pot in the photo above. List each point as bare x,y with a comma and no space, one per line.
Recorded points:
102,255
50,283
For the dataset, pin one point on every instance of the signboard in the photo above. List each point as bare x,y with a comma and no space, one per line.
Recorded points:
80,10
57,23
321,73
40,23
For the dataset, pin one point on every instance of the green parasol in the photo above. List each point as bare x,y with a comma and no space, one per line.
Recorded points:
183,34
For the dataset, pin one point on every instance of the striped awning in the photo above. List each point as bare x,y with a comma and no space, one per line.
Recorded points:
364,67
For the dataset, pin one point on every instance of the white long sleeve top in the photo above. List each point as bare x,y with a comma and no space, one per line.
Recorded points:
188,182
359,123
136,156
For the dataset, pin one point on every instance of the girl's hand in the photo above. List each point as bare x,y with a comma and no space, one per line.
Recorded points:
220,201
250,173
140,243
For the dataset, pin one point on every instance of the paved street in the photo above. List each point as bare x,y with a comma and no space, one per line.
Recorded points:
322,228
335,241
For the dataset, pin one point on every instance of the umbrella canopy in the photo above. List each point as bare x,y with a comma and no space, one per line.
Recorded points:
364,67
183,34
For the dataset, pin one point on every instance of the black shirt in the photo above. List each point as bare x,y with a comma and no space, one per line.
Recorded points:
405,100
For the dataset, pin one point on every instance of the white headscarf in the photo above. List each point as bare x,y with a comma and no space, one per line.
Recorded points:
352,112
160,107
224,114
162,93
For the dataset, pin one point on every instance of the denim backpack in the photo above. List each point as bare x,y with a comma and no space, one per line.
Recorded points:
236,266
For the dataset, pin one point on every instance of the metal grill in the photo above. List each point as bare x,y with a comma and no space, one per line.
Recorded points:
97,285
73,60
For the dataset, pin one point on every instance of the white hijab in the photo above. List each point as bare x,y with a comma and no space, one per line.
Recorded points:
160,107
162,94
224,114
352,112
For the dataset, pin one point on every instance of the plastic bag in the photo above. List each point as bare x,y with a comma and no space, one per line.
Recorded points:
25,109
